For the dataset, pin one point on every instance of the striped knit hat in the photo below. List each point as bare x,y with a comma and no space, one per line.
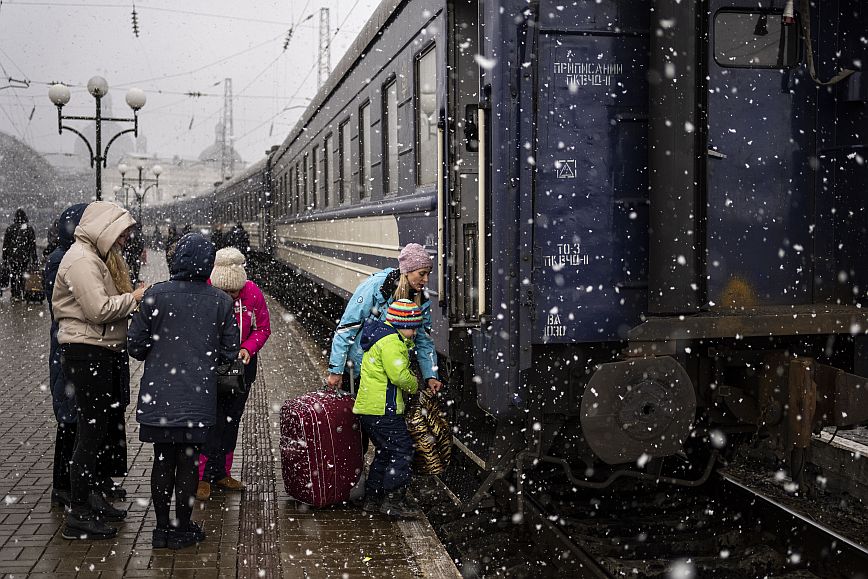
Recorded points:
404,314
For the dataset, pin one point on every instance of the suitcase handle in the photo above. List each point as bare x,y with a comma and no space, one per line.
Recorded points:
336,391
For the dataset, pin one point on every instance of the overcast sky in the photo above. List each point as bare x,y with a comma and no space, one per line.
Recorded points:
188,46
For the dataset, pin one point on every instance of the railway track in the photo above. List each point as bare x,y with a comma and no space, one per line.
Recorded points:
725,529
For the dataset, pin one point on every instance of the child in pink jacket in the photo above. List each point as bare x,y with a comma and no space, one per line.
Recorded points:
251,311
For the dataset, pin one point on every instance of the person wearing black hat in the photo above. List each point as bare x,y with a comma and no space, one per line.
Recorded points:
19,252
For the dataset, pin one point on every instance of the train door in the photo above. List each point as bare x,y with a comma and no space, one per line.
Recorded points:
760,139
466,229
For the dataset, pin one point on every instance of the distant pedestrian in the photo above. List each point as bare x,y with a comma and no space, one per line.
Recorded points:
91,301
183,323
251,312
157,239
135,252
217,237
62,390
52,239
19,252
239,239
172,238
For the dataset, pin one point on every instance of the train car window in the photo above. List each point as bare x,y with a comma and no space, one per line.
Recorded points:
328,170
755,39
364,150
298,206
305,181
278,200
289,203
287,190
345,189
426,122
390,137
314,176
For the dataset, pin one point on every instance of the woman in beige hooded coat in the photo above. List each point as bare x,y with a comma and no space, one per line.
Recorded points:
92,301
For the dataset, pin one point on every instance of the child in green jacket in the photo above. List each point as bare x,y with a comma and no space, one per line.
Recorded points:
380,405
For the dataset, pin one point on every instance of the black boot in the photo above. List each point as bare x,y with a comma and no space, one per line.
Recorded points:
160,538
112,490
181,539
84,524
103,509
60,498
372,503
396,506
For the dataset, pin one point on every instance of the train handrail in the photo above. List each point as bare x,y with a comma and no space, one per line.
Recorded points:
441,274
480,246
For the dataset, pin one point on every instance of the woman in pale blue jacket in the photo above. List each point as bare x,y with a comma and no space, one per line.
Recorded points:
372,299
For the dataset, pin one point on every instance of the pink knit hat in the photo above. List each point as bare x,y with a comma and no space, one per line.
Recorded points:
414,257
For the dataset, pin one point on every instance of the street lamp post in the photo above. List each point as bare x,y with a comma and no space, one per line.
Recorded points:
138,191
98,88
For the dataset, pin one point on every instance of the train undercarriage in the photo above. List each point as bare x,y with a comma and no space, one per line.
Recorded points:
685,394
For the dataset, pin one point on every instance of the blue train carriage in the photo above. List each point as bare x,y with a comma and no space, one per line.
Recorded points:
645,217
665,261
356,178
246,199
674,234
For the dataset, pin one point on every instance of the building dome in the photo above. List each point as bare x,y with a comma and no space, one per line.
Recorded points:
214,153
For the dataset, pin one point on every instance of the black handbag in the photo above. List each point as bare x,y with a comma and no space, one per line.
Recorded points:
230,376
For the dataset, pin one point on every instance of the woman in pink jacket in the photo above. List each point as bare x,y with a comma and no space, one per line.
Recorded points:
251,311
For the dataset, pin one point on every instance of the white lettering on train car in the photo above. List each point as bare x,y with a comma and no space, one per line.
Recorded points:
589,73
568,254
554,328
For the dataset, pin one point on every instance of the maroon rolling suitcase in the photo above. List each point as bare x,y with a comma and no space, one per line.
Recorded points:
320,447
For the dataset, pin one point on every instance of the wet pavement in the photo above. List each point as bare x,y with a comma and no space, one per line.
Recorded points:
258,533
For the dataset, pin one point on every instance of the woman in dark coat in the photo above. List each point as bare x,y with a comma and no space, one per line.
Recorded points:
62,392
19,252
183,330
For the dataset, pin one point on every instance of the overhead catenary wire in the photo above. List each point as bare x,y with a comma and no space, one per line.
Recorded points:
140,9
302,83
22,133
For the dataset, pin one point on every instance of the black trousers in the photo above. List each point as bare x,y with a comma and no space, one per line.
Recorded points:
98,376
223,437
16,279
64,445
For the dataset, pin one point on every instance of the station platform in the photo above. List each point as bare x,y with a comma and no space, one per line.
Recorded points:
260,532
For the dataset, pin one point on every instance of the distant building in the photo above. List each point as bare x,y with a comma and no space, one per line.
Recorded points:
180,179
215,152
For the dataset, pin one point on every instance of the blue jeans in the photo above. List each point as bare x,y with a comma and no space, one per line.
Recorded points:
393,460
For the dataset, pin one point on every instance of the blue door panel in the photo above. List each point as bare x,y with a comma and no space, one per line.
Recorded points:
591,213
759,174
